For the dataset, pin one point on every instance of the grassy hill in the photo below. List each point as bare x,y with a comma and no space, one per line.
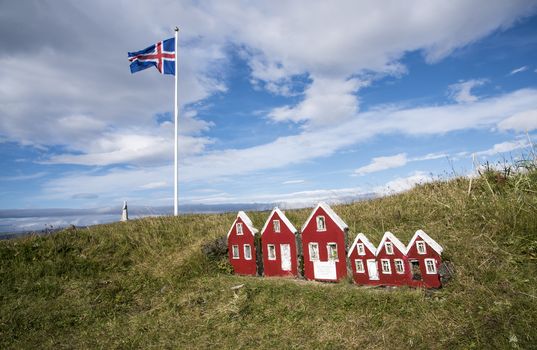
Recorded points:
146,283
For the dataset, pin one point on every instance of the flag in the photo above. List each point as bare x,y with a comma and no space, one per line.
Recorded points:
161,55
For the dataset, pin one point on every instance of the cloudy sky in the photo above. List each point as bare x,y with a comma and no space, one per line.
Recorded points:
280,101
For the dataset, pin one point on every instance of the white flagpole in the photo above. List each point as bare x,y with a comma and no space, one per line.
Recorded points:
175,178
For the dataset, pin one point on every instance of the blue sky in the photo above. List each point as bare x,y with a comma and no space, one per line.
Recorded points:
278,104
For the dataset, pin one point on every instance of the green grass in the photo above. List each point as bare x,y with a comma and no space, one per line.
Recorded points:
146,283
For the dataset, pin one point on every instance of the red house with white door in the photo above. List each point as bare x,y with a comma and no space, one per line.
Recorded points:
424,257
278,241
241,245
392,261
323,244
363,261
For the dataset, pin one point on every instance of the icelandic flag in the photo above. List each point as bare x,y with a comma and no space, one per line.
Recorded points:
161,55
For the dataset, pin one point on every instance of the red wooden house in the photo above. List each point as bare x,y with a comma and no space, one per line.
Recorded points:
363,261
392,261
278,241
424,257
323,244
241,245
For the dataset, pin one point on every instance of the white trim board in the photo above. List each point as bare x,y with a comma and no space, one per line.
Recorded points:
425,237
282,217
396,242
246,220
362,238
331,213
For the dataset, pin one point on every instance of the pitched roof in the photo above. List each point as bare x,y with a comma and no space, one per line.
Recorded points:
282,216
396,242
246,221
431,242
361,237
331,213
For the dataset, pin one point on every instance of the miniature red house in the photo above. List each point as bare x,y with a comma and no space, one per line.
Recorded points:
241,245
363,261
278,239
424,257
323,244
392,261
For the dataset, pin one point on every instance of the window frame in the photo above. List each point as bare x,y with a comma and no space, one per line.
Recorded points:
233,247
360,249
422,244
249,252
356,261
318,219
239,229
382,262
269,246
328,245
433,264
276,223
402,264
310,245
390,251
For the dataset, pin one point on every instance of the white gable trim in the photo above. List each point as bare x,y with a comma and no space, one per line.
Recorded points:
425,237
246,221
331,213
282,217
362,238
396,242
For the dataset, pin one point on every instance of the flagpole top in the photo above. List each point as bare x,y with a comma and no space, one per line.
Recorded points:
176,28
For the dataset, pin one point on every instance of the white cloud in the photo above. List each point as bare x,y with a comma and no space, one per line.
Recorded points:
24,177
383,163
523,121
151,147
503,147
519,70
52,76
293,182
461,92
396,161
402,184
154,185
312,144
326,101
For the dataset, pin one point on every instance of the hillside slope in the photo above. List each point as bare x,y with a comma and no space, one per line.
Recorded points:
146,283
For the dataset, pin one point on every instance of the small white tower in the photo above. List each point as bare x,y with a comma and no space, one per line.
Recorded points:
125,213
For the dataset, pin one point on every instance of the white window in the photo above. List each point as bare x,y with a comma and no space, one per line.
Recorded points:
235,250
359,264
271,249
314,251
276,224
430,266
386,268
332,252
321,223
399,266
239,228
360,248
247,252
389,248
420,245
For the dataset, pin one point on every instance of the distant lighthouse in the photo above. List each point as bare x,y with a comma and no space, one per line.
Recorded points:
125,213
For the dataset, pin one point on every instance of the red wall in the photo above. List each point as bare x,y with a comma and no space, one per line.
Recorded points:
242,266
285,236
362,278
332,234
393,279
428,280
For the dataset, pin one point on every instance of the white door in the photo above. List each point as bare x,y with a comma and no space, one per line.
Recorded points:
372,269
285,253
